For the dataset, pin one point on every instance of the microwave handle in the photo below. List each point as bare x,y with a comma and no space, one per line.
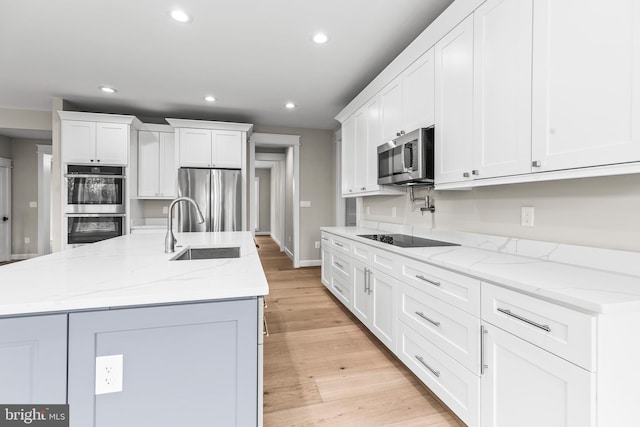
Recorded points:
404,164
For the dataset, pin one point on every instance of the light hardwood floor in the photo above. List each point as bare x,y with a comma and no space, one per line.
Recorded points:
322,367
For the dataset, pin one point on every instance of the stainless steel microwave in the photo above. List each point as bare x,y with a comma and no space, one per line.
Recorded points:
408,159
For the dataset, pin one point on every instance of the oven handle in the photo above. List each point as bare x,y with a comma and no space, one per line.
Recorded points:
78,175
95,215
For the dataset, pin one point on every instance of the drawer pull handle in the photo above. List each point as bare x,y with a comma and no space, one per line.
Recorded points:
325,239
427,280
433,371
421,314
338,289
338,264
339,244
524,319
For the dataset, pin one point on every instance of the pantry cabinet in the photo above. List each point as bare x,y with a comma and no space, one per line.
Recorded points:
33,351
157,167
210,148
586,84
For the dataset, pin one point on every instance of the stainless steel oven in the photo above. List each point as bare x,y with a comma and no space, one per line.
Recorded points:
95,189
90,228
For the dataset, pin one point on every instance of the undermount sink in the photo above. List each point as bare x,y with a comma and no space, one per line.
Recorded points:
208,253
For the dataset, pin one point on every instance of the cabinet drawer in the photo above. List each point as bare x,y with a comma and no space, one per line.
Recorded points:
341,288
451,382
458,290
379,259
341,244
341,265
325,239
456,332
560,330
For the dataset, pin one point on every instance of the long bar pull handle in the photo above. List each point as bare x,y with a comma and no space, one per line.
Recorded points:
366,280
339,244
483,366
421,314
370,288
338,289
433,371
338,264
427,280
524,319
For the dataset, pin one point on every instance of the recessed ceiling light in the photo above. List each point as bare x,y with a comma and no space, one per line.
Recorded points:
290,105
180,15
320,38
107,89
209,98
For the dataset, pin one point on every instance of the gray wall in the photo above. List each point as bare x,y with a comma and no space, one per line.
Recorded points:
317,185
5,147
24,189
264,203
601,212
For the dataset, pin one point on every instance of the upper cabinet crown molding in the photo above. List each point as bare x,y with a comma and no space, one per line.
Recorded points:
156,127
101,117
204,124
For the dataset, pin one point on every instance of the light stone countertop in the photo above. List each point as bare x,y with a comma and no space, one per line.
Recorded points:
589,279
128,271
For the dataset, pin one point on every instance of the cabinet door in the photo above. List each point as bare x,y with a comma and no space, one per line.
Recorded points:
195,147
586,83
360,151
391,110
325,275
148,164
418,93
383,301
374,138
112,143
348,152
168,165
78,141
526,386
227,149
502,88
454,104
33,351
360,277
179,358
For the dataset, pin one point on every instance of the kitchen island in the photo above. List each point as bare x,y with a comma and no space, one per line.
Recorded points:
185,336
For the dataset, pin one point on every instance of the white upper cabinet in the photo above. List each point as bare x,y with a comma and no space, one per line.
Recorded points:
361,154
348,153
157,168
586,83
95,142
210,148
418,88
407,103
454,104
502,88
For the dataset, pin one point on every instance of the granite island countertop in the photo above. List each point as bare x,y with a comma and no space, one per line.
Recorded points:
589,279
131,270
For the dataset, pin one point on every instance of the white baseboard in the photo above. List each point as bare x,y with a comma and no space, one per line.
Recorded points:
263,233
22,256
311,263
277,241
288,253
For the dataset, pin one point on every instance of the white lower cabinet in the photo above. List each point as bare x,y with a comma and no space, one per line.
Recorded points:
449,380
526,386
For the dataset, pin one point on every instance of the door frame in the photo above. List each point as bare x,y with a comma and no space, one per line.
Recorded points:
282,141
5,240
44,199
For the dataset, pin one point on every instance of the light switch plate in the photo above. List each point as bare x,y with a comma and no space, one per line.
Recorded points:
305,203
109,371
33,204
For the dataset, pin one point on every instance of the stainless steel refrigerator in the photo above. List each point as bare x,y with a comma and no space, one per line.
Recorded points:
218,192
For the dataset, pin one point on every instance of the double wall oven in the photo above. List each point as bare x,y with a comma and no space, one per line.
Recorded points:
95,203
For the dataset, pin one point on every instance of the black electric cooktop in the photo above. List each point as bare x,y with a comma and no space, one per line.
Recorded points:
405,241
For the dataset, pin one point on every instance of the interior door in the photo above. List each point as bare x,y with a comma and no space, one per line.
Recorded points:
5,210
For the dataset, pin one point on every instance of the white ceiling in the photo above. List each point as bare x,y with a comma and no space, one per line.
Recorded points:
252,55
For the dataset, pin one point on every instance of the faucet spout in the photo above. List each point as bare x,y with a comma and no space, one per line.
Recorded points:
170,240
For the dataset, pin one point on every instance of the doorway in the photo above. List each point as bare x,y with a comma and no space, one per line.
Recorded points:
5,209
44,199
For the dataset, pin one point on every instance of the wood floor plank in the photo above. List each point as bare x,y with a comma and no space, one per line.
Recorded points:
321,365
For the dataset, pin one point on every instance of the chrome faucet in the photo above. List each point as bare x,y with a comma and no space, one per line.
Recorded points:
170,240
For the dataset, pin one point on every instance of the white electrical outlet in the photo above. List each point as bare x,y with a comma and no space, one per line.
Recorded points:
27,239
317,245
165,210
368,210
109,374
33,204
393,212
526,216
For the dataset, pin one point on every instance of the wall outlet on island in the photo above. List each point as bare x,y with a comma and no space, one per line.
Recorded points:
109,371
